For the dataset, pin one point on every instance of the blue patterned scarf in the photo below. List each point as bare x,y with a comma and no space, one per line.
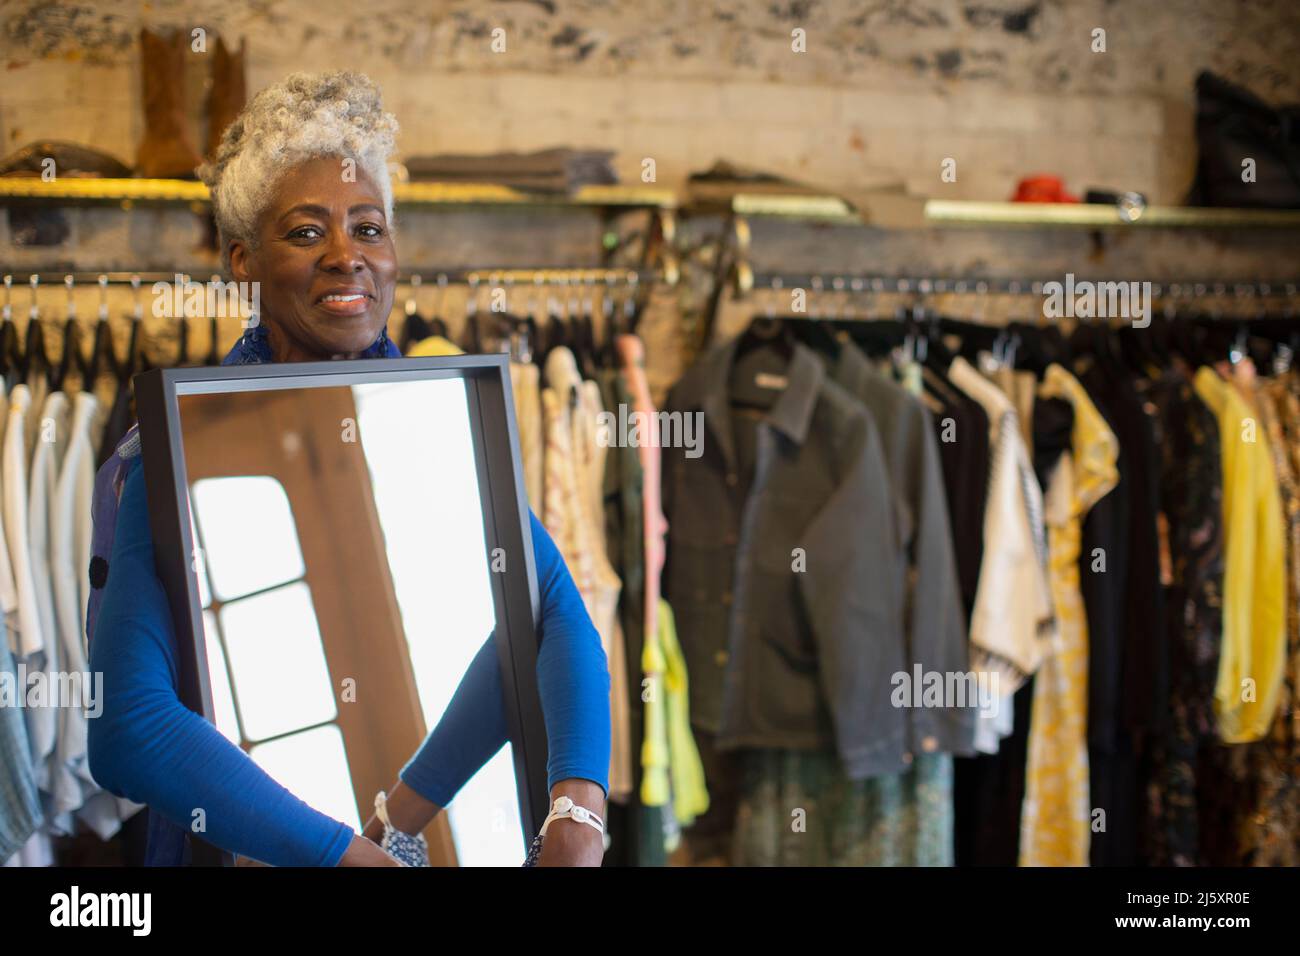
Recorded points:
253,348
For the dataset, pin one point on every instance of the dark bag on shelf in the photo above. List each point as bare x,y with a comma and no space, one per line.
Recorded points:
1232,125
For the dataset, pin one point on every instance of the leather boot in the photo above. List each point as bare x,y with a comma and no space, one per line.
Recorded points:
166,152
227,93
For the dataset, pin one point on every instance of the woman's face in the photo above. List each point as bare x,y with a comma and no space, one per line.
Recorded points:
325,263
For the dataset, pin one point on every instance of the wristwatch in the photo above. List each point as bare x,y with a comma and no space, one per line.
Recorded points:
564,808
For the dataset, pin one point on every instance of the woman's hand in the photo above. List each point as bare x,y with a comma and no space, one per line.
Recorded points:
407,811
567,842
362,852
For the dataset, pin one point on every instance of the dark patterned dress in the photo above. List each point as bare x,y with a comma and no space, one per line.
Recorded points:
1192,564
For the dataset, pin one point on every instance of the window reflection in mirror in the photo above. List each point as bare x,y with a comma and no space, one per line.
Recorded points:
343,569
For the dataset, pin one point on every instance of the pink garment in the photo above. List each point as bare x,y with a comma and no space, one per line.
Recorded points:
631,352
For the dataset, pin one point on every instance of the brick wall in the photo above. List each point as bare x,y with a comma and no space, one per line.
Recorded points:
885,89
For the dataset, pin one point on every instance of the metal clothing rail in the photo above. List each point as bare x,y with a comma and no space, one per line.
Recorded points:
509,278
540,276
568,284
848,283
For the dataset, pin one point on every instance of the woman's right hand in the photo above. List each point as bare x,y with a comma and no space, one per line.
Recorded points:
362,852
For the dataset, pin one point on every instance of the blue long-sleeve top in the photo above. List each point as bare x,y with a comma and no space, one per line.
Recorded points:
149,747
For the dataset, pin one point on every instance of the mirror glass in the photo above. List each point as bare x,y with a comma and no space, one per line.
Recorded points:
342,565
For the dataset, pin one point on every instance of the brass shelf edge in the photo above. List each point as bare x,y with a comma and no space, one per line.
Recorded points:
180,190
88,188
967,212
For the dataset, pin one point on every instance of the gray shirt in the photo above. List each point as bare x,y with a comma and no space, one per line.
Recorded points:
786,587
935,627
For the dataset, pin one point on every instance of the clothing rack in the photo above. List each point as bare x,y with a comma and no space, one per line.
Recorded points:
742,281
458,276
932,285
573,279
565,291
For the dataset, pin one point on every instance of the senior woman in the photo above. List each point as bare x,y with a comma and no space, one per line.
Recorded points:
303,204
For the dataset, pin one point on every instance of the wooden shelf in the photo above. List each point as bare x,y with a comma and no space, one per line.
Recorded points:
817,208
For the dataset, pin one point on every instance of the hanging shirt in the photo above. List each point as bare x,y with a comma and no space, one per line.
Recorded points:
70,533
1011,625
1056,816
631,352
1253,655
927,585
785,591
38,388
1191,534
1272,832
20,803
962,429
672,761
20,646
525,383
17,558
39,653
52,425
46,458
574,514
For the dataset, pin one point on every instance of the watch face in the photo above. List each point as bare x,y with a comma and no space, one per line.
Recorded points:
562,804
580,814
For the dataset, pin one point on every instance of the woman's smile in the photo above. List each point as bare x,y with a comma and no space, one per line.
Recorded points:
345,302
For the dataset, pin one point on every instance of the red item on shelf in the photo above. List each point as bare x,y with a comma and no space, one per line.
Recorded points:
1042,189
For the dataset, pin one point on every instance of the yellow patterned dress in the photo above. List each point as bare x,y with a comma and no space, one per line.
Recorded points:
1271,834
1055,817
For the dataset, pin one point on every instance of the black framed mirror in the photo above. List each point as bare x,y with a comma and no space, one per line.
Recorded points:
337,540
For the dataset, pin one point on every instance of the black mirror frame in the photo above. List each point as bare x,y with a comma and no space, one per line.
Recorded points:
505,522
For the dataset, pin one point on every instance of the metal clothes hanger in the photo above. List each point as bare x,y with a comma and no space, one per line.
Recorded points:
71,357
102,347
34,349
10,354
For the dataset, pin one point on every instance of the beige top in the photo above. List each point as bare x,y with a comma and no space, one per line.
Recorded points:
1012,621
573,512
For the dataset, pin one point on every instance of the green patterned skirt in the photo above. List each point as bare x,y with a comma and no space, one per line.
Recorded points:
797,808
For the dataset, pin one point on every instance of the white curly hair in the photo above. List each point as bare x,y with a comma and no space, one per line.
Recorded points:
304,116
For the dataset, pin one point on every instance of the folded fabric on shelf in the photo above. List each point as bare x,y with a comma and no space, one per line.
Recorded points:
560,169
